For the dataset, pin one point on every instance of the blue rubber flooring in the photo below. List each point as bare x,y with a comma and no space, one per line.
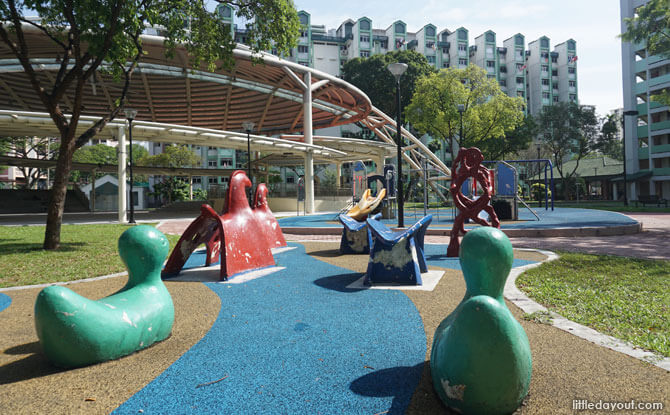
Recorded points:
558,218
5,301
296,342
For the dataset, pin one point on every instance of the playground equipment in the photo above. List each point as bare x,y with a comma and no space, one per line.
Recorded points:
468,164
75,331
241,237
355,236
481,361
396,257
387,181
366,205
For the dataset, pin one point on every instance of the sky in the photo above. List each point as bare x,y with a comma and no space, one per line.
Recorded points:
593,24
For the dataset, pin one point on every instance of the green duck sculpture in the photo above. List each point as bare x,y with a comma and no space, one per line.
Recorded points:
75,331
480,360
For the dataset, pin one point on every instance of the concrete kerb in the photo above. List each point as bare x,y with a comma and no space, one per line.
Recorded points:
521,300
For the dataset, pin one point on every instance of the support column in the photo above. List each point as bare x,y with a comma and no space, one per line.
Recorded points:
93,190
190,187
380,163
309,159
122,175
338,174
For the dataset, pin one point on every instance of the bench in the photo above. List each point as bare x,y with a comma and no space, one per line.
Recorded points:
651,199
355,235
397,257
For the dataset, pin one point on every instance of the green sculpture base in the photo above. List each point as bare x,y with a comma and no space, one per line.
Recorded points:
481,361
75,331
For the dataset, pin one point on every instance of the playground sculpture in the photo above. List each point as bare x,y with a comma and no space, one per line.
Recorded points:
480,360
75,331
367,204
397,257
242,238
355,235
468,164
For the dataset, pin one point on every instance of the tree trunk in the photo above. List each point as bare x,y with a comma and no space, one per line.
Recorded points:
58,194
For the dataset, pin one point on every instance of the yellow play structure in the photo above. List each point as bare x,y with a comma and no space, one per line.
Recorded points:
366,205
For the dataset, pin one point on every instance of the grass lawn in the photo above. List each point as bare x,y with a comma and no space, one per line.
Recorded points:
86,251
624,297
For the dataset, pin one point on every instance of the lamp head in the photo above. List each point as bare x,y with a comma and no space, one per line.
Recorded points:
461,108
130,113
248,126
397,69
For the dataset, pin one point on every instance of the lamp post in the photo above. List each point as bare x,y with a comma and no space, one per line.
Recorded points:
248,126
130,116
397,69
625,179
461,110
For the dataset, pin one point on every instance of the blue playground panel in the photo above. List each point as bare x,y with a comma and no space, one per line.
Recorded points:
559,218
5,301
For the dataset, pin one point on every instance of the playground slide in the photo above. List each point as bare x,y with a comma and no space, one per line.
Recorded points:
366,205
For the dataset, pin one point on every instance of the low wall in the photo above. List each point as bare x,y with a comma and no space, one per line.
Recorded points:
288,204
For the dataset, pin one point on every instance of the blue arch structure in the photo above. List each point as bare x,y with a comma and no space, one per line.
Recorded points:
5,301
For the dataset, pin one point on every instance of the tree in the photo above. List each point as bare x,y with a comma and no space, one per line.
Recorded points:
651,26
608,142
88,33
489,114
171,188
514,141
372,77
102,154
569,132
41,148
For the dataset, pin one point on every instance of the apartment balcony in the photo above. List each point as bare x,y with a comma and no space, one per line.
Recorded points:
443,45
640,65
364,45
663,125
519,87
462,53
490,69
662,171
642,109
663,79
546,101
303,56
554,78
545,87
640,87
642,131
572,76
572,89
654,105
489,55
643,153
663,148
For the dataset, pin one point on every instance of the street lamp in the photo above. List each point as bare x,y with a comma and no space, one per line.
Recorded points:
461,109
625,179
397,69
248,126
130,116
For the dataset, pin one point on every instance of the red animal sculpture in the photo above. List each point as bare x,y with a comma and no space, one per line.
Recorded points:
272,231
241,237
468,164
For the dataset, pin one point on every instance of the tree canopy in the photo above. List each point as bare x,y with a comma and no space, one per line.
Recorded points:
172,156
371,76
608,141
569,132
90,32
488,115
651,26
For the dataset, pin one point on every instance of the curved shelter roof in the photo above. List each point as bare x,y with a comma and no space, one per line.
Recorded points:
168,90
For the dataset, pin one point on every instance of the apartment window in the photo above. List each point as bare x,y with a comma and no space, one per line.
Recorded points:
462,35
304,19
462,61
343,48
545,82
365,38
157,145
518,40
196,179
212,180
544,43
227,162
430,31
554,72
573,97
519,53
520,67
225,12
554,59
399,28
571,44
462,47
555,98
211,163
545,68
365,54
544,55
211,148
572,84
445,51
571,70
431,59
503,69
503,82
519,80
545,95
490,64
430,45
303,49
445,64
364,25
290,179
490,37
520,94
304,33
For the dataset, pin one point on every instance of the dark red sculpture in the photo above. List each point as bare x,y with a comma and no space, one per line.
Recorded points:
241,237
468,164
